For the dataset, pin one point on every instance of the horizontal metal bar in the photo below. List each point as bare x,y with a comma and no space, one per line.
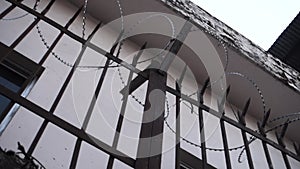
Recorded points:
66,126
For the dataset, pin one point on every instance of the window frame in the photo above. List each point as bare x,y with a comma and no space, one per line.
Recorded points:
25,68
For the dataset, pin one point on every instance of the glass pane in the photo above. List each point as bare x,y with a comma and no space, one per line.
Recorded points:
10,80
8,84
4,102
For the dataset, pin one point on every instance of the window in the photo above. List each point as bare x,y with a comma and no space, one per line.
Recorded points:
18,74
10,80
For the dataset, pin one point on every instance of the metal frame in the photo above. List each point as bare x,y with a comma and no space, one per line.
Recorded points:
13,59
151,76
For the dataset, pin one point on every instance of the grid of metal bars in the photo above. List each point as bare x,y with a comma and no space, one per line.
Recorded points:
151,76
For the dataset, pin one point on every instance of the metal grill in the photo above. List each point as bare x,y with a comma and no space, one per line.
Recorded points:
156,79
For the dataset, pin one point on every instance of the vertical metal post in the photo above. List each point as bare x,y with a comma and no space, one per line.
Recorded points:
202,138
244,136
157,82
281,143
286,160
225,144
177,151
267,154
151,135
246,143
223,129
261,129
201,124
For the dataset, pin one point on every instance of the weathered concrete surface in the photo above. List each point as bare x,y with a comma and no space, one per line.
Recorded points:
256,54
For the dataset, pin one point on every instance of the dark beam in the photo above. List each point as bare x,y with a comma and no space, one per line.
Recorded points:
201,124
177,151
225,144
151,134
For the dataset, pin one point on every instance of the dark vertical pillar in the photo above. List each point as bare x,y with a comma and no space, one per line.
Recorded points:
225,144
267,154
202,138
151,135
280,137
261,126
247,148
177,153
201,124
244,135
223,129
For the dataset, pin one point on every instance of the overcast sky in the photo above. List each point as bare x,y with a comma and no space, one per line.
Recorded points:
261,21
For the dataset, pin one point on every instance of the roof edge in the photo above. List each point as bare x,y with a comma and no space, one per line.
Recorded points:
283,72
